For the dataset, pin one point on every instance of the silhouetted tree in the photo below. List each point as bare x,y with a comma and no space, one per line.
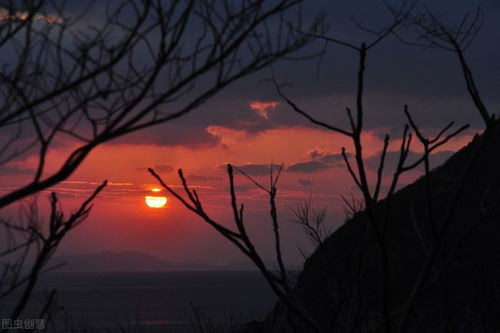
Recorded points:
278,281
139,68
65,75
432,30
28,234
437,34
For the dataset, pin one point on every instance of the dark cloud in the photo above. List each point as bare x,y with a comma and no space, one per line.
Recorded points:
163,168
392,157
198,178
14,170
307,167
436,92
429,82
305,182
256,169
244,188
326,156
158,168
320,159
183,132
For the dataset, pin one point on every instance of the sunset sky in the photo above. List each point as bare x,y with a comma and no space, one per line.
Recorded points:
249,126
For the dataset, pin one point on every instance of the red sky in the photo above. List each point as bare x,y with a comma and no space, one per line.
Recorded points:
249,127
120,219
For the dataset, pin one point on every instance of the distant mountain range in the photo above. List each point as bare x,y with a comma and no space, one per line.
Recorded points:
134,261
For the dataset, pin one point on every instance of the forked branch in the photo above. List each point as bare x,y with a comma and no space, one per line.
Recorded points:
240,238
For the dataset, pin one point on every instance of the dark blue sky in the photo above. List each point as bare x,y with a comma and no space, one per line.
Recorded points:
428,80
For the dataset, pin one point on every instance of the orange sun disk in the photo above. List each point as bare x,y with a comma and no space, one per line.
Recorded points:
155,201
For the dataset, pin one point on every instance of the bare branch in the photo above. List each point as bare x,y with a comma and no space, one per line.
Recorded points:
278,283
456,39
71,79
307,116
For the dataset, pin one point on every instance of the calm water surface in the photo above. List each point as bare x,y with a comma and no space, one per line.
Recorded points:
154,302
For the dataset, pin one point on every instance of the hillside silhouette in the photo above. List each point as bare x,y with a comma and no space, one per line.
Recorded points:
134,261
340,282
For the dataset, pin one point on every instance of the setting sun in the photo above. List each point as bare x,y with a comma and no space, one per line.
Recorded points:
155,201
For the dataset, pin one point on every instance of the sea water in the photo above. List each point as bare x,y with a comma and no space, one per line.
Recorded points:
172,302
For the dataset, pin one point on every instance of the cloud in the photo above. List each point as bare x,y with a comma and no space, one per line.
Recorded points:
305,182
256,169
158,168
263,108
325,156
163,168
6,15
244,188
83,188
392,157
227,136
176,133
15,170
307,167
198,178
434,94
321,159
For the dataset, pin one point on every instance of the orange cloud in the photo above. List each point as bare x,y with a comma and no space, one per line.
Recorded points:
227,136
6,15
263,108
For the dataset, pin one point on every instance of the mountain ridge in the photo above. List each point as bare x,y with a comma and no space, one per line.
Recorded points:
130,261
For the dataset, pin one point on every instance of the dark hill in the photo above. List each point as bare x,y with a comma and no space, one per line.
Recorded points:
340,285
